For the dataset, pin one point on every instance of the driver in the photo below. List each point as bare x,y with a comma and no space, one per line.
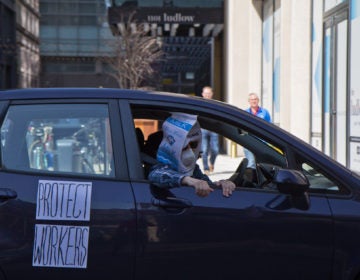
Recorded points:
177,156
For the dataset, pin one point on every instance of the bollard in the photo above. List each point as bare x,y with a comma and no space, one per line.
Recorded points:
233,150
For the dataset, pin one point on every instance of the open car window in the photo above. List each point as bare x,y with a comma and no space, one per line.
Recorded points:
148,122
233,139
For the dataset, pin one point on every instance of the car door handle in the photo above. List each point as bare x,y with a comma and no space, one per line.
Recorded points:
6,194
171,202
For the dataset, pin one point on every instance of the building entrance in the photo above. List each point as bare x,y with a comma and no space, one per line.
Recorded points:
335,86
189,32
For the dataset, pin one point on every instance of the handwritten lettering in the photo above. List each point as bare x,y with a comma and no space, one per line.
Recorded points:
62,200
60,246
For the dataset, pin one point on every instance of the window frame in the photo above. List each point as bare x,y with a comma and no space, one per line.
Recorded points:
118,151
291,153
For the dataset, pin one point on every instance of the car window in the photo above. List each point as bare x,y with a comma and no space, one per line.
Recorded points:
319,182
57,138
148,124
268,154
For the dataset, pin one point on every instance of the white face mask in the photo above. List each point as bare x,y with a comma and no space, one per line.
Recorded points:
188,157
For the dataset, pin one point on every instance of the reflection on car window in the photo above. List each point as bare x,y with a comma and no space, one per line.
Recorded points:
57,138
318,182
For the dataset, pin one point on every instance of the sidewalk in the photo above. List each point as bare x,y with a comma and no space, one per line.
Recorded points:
225,166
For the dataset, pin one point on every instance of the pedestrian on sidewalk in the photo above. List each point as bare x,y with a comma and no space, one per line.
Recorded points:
260,112
210,140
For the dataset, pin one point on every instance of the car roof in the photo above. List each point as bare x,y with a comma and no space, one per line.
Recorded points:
49,93
35,93
95,93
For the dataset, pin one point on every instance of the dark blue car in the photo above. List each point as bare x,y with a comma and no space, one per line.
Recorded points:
76,202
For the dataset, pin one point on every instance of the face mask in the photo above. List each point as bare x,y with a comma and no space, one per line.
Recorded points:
188,157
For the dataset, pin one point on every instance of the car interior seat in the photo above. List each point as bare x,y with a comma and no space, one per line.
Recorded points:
152,143
140,138
148,148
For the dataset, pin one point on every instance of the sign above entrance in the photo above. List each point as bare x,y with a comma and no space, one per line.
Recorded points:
161,15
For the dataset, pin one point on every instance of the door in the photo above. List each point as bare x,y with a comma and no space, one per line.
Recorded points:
255,234
335,86
251,235
65,212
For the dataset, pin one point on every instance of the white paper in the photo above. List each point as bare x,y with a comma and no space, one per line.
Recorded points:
60,246
63,200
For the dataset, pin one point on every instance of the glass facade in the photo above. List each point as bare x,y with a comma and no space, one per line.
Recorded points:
335,67
74,28
354,86
317,55
335,85
334,104
271,58
189,30
329,4
74,34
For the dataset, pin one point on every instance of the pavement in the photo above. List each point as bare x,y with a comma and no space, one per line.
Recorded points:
225,166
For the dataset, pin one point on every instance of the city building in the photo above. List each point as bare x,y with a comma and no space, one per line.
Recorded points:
300,56
7,44
74,35
28,43
19,44
191,33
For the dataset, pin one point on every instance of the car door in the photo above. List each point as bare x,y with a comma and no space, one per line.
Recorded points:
67,210
249,235
254,234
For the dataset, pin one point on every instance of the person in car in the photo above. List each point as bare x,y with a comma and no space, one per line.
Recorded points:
177,156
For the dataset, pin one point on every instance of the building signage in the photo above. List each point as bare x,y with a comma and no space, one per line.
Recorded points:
171,18
168,15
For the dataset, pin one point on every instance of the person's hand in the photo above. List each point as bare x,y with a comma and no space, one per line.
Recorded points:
227,186
201,187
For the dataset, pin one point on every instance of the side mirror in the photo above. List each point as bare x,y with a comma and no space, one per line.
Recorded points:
289,181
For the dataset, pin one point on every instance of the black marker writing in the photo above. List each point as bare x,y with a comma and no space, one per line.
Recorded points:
58,200
60,246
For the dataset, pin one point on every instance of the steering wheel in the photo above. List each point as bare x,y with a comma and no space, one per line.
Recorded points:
238,177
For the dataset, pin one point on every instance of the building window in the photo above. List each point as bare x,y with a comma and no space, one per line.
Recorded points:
355,86
69,67
271,58
316,75
329,4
